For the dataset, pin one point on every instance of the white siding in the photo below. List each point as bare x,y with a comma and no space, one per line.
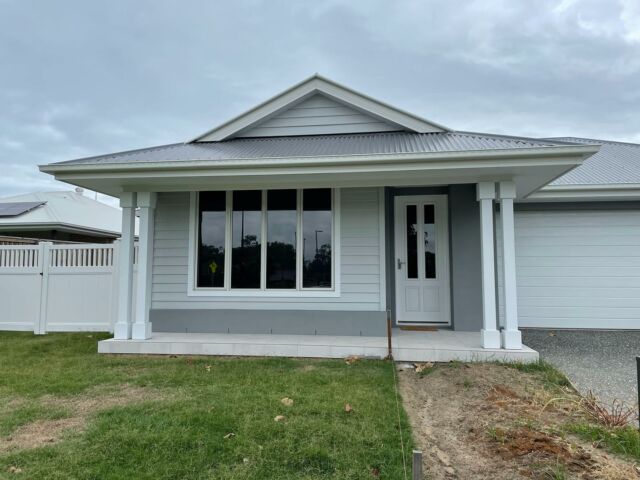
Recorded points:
360,260
319,115
578,269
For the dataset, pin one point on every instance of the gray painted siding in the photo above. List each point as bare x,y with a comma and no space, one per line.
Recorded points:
360,261
318,115
286,322
466,274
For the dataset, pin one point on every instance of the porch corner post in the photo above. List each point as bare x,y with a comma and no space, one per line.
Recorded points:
142,326
122,328
486,193
511,336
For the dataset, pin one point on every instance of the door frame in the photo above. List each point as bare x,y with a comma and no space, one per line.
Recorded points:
442,252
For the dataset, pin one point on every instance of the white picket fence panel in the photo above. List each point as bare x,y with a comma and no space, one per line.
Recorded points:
58,288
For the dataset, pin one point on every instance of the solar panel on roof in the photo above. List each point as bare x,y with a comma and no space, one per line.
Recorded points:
13,209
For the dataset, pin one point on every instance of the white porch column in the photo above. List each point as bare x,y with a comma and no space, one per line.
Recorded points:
486,193
122,328
142,326
511,336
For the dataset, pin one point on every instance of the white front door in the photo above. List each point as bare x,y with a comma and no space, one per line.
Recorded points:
422,260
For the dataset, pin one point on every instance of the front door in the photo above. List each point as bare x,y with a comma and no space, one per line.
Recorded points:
422,260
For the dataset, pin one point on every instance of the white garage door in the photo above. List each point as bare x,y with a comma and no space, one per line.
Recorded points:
578,269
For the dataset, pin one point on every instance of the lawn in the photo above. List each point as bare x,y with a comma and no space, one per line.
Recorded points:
67,412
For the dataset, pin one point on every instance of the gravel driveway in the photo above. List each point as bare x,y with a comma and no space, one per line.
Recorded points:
600,361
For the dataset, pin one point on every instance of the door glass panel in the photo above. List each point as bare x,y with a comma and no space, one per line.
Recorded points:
429,241
412,241
281,238
247,225
212,222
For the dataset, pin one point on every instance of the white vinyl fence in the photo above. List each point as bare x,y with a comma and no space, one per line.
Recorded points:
58,288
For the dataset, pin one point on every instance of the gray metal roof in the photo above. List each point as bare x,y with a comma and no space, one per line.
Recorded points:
319,145
614,163
14,209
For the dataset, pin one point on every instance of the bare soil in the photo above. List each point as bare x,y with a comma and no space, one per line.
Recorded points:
489,421
81,407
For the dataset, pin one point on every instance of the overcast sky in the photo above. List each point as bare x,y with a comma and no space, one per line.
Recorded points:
80,78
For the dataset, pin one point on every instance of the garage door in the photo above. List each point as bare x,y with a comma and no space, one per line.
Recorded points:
578,269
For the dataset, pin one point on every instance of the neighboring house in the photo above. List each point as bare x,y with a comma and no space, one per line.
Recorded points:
58,217
322,209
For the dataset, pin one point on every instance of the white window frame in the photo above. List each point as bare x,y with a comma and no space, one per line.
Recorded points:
194,291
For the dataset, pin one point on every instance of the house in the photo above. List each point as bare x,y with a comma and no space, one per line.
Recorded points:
322,212
65,216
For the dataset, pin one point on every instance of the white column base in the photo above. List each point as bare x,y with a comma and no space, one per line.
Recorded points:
122,331
512,339
490,338
141,331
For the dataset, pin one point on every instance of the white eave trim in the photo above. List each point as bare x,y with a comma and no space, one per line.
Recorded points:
616,191
311,86
521,155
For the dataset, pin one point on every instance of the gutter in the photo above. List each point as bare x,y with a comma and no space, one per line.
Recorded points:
583,151
615,191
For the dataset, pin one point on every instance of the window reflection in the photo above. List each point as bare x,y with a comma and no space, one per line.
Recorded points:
247,227
211,238
281,238
316,238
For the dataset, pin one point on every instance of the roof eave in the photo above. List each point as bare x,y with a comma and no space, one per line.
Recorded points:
547,151
587,192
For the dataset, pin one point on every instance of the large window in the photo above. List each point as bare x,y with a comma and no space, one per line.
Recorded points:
265,240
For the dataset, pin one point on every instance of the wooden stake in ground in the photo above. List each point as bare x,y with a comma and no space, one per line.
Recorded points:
417,465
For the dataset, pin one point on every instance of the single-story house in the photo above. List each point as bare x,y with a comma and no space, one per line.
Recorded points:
323,212
63,216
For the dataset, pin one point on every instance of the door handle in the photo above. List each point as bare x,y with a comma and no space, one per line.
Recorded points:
400,263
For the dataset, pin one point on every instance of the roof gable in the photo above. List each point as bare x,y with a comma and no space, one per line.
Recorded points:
277,115
319,115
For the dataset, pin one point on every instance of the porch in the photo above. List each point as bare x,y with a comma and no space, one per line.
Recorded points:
409,346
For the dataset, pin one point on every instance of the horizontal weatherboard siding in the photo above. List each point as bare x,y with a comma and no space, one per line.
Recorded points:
319,115
359,262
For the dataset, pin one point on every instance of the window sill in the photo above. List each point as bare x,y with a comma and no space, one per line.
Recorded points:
284,294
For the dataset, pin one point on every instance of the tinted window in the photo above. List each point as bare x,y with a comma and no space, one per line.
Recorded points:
316,237
247,227
211,239
281,238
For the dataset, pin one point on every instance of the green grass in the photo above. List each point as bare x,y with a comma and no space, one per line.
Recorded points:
624,441
179,434
550,375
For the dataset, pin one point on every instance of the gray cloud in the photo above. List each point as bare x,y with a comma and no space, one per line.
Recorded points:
80,78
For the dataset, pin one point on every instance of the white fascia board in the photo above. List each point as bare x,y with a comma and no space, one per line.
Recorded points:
574,156
66,227
308,87
618,191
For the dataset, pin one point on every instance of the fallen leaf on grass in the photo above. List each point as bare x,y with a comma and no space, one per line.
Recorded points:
287,401
279,418
207,368
552,334
229,435
13,469
348,408
420,367
351,359
375,472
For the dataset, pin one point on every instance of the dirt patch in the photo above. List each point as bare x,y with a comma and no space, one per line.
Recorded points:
488,421
81,407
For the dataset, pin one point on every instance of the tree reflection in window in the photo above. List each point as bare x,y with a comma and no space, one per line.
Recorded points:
281,238
211,239
316,238
247,226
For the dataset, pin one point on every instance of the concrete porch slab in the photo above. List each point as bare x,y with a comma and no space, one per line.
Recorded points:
436,346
